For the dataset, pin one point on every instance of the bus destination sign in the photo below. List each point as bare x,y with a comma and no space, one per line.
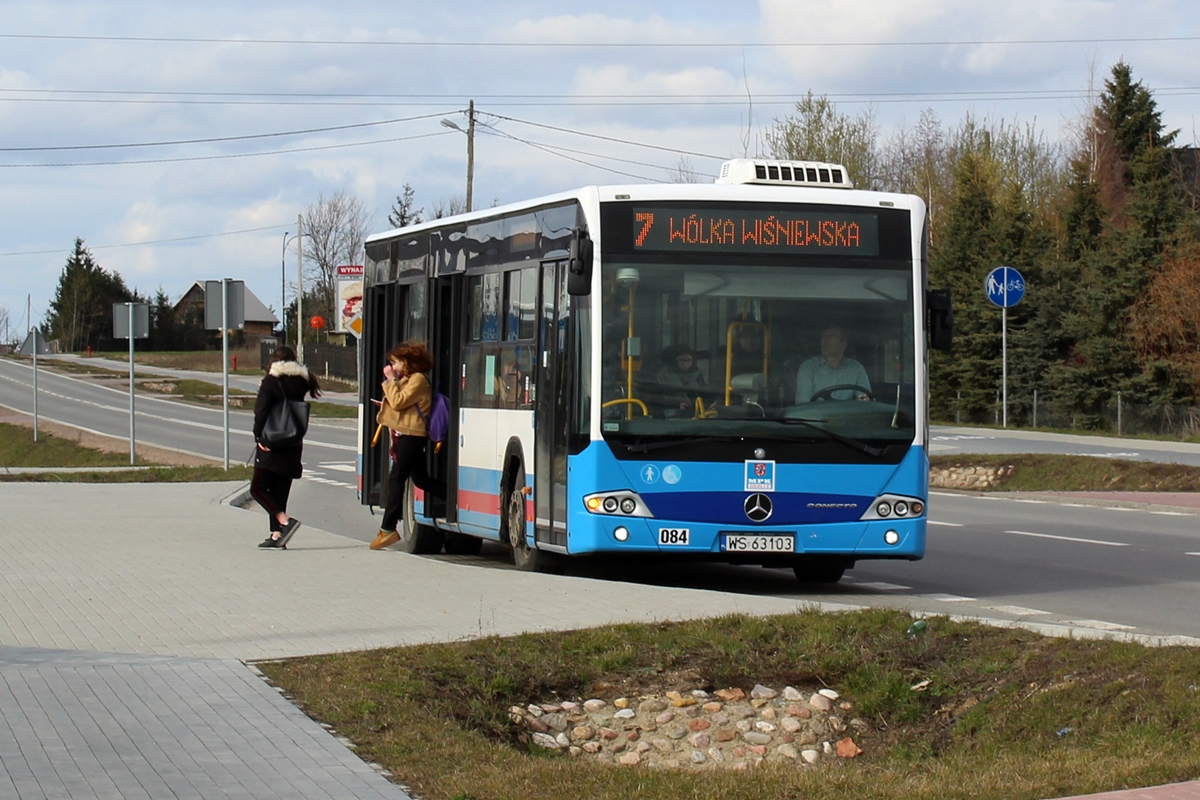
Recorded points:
800,231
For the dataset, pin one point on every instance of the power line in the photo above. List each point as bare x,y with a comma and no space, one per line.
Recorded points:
496,132
153,241
592,45
608,138
211,140
226,155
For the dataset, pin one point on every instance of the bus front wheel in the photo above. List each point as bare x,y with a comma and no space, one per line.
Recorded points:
526,558
821,569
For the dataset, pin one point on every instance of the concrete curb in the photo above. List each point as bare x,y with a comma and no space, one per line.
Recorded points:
238,498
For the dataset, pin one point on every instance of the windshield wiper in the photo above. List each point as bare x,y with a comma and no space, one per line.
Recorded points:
662,444
860,446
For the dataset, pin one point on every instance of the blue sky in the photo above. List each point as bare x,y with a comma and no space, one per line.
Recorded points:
71,92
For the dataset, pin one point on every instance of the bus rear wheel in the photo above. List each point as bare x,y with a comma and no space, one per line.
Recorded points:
821,569
415,538
526,558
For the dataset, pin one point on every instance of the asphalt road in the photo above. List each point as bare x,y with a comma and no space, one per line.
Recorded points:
1045,561
946,440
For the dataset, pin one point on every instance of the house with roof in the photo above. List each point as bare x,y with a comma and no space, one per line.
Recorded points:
189,320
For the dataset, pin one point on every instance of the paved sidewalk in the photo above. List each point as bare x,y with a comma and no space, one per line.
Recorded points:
126,612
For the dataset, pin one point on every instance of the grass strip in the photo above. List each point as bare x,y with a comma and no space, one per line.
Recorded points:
1068,473
239,472
1006,714
17,449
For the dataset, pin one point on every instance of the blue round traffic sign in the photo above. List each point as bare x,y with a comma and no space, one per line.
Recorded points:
1004,286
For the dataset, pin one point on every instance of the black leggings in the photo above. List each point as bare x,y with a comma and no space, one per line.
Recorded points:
409,463
271,490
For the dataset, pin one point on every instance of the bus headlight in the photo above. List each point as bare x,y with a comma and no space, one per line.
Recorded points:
622,503
892,506
891,537
621,533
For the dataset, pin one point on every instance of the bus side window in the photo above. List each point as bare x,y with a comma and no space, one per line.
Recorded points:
481,355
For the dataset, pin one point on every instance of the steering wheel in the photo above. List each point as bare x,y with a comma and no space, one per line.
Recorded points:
827,392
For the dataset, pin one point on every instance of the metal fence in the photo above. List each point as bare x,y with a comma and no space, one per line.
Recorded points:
1118,417
323,360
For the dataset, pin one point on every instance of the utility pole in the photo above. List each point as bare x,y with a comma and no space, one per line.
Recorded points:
300,288
470,150
470,132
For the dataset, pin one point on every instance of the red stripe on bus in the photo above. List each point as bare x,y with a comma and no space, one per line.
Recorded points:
479,502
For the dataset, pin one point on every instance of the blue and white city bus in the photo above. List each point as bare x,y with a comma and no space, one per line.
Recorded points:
562,329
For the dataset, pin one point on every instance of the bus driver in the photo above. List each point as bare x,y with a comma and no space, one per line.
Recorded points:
831,368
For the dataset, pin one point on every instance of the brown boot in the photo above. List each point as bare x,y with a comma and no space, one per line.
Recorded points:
384,539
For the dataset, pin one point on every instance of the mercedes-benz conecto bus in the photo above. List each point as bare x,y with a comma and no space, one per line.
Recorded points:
732,372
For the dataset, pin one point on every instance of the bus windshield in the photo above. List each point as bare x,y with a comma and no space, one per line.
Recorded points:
806,351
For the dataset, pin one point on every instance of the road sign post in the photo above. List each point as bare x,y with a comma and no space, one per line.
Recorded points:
131,321
34,344
1004,287
225,308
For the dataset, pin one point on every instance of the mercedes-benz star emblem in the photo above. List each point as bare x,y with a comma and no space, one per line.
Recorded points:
758,507
760,453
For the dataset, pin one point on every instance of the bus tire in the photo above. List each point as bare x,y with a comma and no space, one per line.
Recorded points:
460,544
526,558
415,538
821,569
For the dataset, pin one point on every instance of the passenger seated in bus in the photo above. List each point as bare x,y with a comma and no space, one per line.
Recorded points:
676,381
832,368
747,350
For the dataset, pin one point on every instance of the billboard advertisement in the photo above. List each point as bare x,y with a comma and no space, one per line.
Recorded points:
348,313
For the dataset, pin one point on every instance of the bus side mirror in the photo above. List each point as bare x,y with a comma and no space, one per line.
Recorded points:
579,264
941,319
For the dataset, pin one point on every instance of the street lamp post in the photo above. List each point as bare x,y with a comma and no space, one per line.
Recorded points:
288,238
470,132
283,289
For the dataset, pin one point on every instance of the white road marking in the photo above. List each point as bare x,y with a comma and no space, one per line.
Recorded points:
1098,624
1035,502
1018,611
1111,455
1192,554
1069,538
338,467
882,586
945,524
1119,508
947,598
1173,513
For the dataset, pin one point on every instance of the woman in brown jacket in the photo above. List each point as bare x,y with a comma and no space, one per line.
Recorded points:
407,402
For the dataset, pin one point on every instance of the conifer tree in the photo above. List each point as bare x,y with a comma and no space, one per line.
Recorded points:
81,311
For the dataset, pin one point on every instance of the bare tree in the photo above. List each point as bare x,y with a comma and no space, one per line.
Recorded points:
4,324
684,171
335,229
448,207
819,132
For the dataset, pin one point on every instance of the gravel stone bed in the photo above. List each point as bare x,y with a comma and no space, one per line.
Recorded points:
725,729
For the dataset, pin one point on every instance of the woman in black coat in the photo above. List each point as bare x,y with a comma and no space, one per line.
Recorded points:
276,467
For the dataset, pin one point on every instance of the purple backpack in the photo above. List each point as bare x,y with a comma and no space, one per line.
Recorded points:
437,424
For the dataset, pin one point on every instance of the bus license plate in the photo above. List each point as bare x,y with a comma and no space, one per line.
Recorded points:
758,543
674,536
